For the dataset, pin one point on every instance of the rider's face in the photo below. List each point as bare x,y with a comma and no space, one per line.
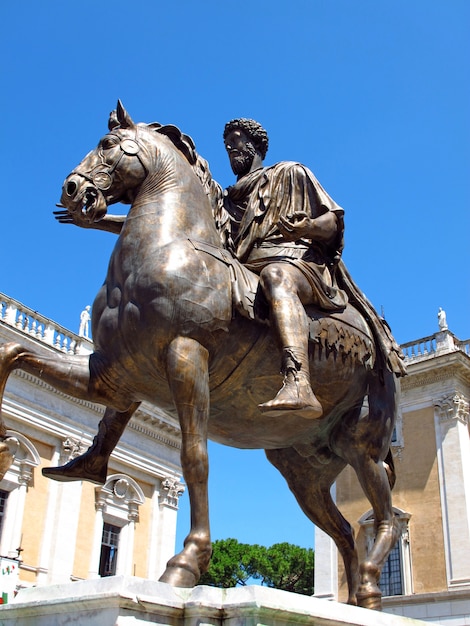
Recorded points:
241,151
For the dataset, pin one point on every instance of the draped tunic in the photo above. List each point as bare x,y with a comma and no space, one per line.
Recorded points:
257,201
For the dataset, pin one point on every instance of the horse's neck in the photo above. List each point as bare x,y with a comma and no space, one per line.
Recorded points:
174,206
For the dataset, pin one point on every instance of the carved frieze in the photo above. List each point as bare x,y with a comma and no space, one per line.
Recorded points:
173,489
452,406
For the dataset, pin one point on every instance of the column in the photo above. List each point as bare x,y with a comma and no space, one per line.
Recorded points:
60,529
453,455
326,563
125,558
171,490
13,523
153,570
93,571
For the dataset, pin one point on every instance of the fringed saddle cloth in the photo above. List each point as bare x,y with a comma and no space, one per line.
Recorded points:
344,334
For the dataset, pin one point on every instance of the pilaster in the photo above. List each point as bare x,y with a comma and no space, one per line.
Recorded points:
60,534
326,563
170,491
451,413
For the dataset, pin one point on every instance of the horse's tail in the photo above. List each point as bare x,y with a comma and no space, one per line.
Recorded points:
383,407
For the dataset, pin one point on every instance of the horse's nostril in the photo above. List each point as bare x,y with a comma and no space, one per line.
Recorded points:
71,188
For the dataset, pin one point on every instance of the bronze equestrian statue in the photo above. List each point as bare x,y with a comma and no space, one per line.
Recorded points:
181,323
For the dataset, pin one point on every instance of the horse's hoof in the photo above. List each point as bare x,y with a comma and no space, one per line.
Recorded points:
179,577
9,352
370,601
6,459
76,470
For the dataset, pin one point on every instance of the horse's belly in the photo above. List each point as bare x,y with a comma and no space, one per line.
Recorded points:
237,421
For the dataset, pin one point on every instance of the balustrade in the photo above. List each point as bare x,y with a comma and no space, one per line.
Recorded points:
420,348
35,325
39,327
464,346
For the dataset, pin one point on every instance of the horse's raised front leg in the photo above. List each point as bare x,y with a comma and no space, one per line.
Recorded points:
68,374
188,376
311,486
93,464
76,375
14,356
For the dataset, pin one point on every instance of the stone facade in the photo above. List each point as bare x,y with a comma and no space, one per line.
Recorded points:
431,498
52,532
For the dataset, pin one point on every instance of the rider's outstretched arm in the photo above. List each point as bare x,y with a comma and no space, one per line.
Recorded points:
109,223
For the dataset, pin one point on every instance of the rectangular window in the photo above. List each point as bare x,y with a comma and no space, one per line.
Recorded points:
3,506
391,578
109,550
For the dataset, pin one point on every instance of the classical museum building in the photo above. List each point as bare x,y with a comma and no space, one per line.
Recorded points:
427,575
54,532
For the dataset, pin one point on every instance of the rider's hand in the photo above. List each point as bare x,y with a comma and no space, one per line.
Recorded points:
64,217
298,226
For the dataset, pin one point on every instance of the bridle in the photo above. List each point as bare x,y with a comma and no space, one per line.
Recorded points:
102,176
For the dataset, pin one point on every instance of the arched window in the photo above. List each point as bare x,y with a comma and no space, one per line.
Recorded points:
13,487
117,511
3,505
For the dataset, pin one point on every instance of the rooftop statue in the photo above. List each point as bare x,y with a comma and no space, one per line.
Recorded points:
442,319
202,287
85,318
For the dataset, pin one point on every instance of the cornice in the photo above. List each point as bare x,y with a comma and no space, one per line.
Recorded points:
40,383
155,432
436,372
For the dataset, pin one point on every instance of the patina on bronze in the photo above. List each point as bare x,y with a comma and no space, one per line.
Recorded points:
165,331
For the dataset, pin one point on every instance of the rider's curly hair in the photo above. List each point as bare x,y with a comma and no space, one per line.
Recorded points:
253,129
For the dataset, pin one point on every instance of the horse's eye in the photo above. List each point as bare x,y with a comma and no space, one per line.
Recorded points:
107,143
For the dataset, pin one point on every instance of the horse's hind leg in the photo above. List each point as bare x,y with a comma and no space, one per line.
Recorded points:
311,486
366,450
93,464
187,370
374,480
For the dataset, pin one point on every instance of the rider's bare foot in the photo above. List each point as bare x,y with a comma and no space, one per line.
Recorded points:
295,395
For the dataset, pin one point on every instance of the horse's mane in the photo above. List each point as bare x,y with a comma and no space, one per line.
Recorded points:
200,166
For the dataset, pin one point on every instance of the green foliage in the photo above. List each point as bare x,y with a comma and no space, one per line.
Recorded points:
282,566
289,567
231,564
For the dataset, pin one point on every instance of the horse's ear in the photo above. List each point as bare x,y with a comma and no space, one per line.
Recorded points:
124,119
113,120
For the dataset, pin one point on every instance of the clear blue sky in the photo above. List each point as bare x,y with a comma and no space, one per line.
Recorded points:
373,96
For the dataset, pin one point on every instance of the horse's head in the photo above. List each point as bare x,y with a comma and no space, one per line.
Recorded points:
112,172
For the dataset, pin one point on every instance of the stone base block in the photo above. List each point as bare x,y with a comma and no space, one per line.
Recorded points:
126,601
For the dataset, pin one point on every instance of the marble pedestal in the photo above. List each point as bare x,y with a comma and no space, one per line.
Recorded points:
126,601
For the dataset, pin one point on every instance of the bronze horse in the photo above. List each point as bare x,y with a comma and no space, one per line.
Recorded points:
165,331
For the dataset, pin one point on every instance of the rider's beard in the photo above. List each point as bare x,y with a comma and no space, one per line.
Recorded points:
241,163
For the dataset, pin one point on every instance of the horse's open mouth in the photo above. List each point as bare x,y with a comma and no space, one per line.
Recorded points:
93,205
88,201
